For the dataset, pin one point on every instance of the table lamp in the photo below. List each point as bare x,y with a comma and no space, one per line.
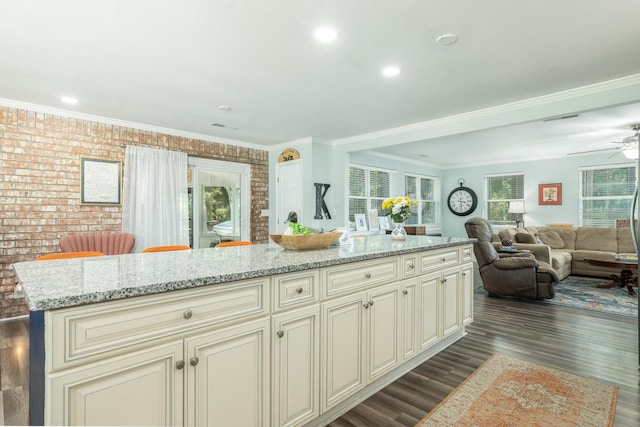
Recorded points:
517,207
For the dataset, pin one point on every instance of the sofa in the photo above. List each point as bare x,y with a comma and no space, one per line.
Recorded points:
565,249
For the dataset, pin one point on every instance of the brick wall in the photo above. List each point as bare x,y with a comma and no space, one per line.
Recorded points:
40,183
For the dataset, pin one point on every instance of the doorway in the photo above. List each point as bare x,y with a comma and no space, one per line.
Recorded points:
219,202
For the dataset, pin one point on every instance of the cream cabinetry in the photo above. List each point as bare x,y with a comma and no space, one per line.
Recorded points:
286,350
207,361
141,388
467,293
360,341
296,366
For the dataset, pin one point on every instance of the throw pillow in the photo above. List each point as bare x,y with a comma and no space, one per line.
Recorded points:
551,238
506,242
525,238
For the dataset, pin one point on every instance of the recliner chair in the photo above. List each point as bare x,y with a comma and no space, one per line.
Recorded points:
516,275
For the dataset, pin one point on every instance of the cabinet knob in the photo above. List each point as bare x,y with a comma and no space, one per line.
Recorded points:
367,275
280,334
299,290
365,305
464,274
187,314
194,361
411,266
370,303
444,280
405,292
443,259
180,364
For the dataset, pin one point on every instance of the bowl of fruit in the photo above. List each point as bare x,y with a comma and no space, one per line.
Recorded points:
297,237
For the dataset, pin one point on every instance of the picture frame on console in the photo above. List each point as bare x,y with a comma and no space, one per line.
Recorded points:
550,194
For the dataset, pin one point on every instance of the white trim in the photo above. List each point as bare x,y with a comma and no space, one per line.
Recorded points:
565,95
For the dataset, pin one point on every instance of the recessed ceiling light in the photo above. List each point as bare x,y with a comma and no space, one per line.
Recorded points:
391,71
447,39
325,34
69,99
224,108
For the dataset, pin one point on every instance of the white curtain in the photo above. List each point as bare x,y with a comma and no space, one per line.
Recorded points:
154,206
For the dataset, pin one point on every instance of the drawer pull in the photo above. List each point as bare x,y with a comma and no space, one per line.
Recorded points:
187,314
194,361
280,334
367,275
405,292
299,290
180,364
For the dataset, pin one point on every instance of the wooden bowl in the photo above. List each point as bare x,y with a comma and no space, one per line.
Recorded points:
300,242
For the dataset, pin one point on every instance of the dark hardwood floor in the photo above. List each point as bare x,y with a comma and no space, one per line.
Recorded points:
587,343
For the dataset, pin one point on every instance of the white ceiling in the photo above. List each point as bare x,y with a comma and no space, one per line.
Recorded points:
170,64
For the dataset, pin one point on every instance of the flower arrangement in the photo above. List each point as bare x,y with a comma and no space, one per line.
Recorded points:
399,207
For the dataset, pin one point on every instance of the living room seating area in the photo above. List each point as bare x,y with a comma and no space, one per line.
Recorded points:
567,249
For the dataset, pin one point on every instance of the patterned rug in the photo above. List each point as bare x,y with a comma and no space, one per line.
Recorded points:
582,292
510,392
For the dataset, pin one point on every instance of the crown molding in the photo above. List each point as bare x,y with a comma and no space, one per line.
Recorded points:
557,97
124,123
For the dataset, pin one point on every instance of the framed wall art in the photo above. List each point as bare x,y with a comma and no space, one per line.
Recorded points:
550,194
361,222
100,182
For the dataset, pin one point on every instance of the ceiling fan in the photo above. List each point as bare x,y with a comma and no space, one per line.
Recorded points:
629,145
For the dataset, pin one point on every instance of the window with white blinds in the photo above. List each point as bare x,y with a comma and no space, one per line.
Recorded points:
368,187
424,190
500,191
606,193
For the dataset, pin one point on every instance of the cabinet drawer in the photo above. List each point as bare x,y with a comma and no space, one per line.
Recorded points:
466,253
295,289
409,264
435,260
92,331
349,277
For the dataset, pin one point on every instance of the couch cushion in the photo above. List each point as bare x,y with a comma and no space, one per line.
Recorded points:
525,238
625,243
597,239
551,238
560,259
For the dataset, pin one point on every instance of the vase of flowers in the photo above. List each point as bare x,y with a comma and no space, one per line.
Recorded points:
399,209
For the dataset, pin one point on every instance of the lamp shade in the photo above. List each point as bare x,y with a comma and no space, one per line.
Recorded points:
517,207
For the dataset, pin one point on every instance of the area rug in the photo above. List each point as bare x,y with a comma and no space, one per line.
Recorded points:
510,392
583,292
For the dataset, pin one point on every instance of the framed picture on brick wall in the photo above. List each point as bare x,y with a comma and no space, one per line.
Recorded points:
100,182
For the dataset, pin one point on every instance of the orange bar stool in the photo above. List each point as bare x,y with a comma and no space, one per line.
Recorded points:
236,243
82,254
166,248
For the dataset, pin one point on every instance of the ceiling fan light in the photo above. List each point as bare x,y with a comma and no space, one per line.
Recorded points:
631,152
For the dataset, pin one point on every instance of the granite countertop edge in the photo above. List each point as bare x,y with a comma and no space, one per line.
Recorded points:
39,299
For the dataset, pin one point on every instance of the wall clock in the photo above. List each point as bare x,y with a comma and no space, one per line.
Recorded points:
462,200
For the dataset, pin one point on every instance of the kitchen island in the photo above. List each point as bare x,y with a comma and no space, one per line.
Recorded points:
250,335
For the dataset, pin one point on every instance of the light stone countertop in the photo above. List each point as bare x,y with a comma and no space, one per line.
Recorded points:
62,283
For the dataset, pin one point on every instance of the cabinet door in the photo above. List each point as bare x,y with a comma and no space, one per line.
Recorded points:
409,318
342,366
141,388
383,330
452,314
467,294
430,309
296,366
228,376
